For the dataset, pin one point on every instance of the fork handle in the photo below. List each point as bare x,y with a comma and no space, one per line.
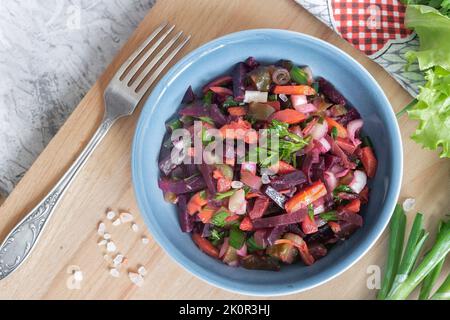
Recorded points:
23,237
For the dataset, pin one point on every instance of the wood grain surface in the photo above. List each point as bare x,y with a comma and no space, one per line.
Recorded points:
71,238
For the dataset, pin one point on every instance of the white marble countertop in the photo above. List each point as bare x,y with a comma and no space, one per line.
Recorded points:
51,52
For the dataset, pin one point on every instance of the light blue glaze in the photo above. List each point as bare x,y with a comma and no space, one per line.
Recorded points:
216,58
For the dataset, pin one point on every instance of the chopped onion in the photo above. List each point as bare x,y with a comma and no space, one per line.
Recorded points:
309,74
319,209
237,203
319,130
330,180
352,128
224,247
281,76
323,145
306,108
242,251
249,166
298,99
265,179
237,184
255,96
359,181
339,171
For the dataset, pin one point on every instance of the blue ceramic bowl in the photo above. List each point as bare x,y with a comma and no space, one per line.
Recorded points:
216,58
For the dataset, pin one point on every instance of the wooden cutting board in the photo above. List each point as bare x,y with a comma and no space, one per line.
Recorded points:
71,238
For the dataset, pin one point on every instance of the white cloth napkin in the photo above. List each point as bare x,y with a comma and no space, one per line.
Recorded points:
51,52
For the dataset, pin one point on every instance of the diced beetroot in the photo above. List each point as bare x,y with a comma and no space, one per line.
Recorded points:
317,250
331,92
286,181
189,96
280,220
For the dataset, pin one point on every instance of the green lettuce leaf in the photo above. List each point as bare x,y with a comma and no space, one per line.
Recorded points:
442,5
433,112
433,29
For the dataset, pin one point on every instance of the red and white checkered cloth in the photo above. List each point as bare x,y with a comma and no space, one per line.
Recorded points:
369,24
375,27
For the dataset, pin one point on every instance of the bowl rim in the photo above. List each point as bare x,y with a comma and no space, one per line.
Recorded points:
344,264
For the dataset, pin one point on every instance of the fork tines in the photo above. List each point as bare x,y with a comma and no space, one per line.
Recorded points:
144,66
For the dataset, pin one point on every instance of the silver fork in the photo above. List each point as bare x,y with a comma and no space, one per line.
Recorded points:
121,97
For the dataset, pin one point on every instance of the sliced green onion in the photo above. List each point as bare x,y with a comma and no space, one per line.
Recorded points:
430,280
408,106
438,252
252,245
397,233
298,75
174,124
223,195
237,238
416,240
443,293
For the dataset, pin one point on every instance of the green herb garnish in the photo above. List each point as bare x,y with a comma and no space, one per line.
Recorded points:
311,211
207,99
216,236
219,218
206,119
206,138
329,216
202,194
334,133
230,102
288,144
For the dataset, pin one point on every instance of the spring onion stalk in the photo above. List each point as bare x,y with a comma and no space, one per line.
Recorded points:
397,233
438,252
430,280
416,240
443,293
409,106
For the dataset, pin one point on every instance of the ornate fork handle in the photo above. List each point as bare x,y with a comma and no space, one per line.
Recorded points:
21,240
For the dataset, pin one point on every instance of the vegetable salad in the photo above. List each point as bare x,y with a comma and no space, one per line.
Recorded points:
294,203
